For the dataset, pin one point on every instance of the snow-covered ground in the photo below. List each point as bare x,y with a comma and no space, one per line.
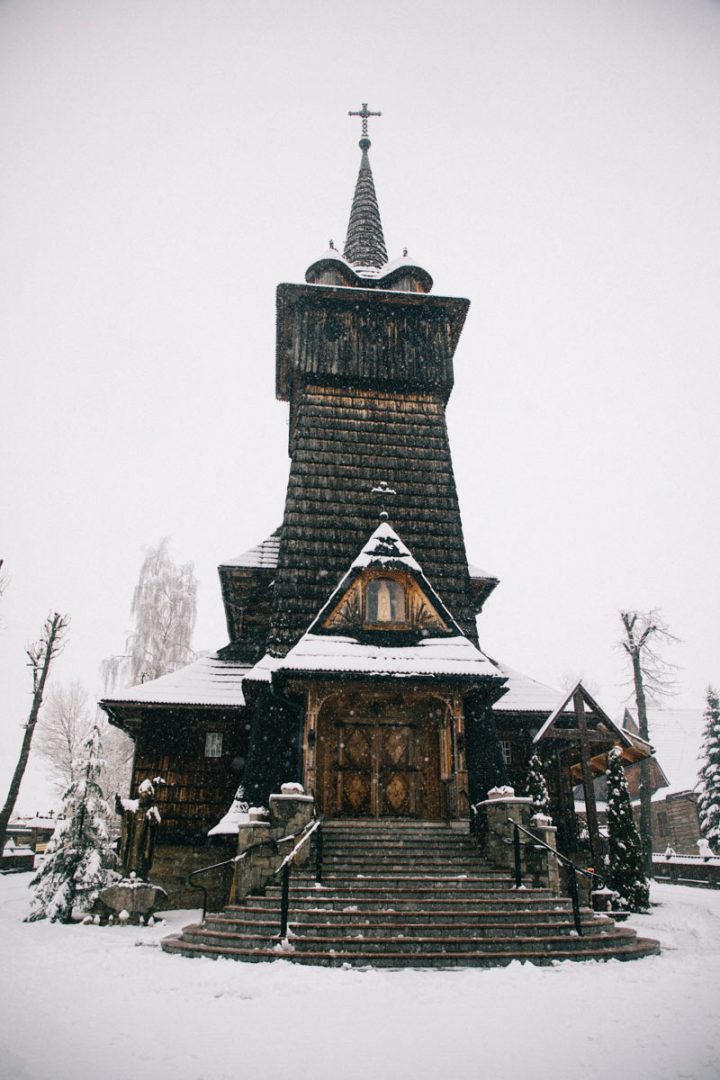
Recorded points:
86,1003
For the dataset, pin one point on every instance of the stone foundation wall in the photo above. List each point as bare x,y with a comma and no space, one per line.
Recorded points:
495,833
173,863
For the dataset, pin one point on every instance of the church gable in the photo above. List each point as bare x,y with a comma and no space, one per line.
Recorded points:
384,600
385,590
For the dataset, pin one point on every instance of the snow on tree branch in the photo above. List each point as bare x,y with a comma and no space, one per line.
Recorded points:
164,607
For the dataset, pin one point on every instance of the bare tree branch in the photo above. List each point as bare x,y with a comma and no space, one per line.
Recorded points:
41,655
644,633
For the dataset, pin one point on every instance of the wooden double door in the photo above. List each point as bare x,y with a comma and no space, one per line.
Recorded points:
383,763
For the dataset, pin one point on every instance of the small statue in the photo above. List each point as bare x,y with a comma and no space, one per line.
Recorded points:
140,819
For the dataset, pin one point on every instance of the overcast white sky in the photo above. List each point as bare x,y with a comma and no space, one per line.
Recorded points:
166,164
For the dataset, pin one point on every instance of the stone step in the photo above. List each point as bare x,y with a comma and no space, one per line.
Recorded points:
633,949
400,843
409,879
401,858
406,894
392,904
392,825
405,889
323,930
440,917
601,939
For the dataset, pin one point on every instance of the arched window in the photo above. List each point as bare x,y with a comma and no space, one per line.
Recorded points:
385,601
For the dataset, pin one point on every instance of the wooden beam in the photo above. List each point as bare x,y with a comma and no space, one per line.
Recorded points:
588,781
577,735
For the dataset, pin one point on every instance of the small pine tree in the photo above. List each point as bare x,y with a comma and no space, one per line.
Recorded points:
536,787
627,873
79,860
709,775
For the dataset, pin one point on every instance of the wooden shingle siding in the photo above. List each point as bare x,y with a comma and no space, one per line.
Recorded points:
247,598
330,509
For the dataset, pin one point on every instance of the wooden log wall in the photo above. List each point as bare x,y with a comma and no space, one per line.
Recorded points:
198,790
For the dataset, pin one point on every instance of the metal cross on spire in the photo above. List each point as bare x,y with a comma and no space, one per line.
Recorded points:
364,115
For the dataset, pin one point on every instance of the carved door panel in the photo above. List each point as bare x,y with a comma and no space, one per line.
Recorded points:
397,770
355,770
377,773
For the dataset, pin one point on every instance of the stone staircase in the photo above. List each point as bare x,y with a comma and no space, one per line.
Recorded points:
407,894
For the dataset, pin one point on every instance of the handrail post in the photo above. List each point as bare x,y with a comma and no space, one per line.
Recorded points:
574,896
192,885
319,854
518,859
285,901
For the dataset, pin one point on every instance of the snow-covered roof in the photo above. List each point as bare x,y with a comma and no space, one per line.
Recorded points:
432,656
676,735
595,712
264,554
36,822
263,670
525,694
476,572
385,548
207,681
330,653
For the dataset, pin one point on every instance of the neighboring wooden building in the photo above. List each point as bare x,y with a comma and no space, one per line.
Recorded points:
372,692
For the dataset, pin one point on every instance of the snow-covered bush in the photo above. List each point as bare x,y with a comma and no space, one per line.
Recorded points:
536,787
79,860
627,874
709,800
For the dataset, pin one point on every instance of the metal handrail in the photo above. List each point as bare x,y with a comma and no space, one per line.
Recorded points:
573,868
285,868
558,854
305,833
226,862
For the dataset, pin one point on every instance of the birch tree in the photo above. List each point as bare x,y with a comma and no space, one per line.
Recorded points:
64,725
164,607
66,721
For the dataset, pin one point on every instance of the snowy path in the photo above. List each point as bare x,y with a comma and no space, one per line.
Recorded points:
84,1003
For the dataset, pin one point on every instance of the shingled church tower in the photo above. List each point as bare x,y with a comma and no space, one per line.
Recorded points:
378,699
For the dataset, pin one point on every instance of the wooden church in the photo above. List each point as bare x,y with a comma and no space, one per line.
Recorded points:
353,666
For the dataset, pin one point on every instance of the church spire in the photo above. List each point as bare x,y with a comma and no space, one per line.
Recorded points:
365,243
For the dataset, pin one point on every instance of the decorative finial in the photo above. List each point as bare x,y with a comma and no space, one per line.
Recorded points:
383,489
364,114
332,245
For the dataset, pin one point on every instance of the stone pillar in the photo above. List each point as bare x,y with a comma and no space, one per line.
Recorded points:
494,812
248,876
541,864
290,812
